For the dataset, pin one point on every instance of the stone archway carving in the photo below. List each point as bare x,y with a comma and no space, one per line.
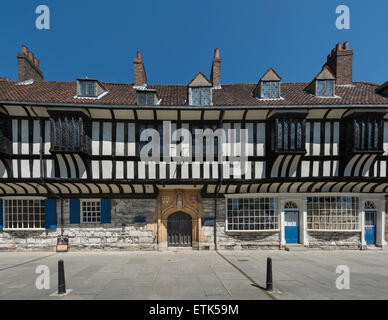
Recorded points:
190,202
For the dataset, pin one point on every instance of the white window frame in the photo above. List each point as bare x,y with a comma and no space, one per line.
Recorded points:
276,215
82,212
325,89
210,97
23,229
357,211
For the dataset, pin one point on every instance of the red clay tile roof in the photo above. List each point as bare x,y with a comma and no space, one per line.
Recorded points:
361,93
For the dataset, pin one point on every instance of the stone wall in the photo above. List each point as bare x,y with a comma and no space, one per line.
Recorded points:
121,233
334,240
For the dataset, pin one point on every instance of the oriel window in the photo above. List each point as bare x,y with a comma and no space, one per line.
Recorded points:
287,134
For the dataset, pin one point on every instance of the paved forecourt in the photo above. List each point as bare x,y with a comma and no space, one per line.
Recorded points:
196,275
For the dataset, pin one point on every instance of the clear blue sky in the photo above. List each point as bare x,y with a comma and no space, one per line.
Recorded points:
177,38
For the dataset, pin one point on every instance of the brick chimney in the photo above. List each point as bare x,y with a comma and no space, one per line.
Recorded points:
216,70
139,71
28,66
340,62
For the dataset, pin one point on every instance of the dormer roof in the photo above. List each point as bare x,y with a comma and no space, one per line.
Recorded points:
200,80
270,75
324,74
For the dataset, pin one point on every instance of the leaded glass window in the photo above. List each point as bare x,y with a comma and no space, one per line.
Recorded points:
146,98
333,213
66,133
200,96
87,88
270,89
288,134
251,214
325,88
366,133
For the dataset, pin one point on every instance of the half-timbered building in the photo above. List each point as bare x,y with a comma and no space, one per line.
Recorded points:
315,175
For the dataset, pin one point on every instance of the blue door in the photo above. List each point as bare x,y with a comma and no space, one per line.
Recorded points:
291,219
370,227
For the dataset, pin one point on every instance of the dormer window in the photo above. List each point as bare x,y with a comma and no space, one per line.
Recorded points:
146,97
323,85
200,93
268,86
87,88
325,88
270,89
200,96
90,88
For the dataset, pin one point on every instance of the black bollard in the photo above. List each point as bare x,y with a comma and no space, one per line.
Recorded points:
269,274
61,278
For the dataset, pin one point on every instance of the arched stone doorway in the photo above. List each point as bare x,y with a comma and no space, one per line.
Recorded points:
179,230
187,205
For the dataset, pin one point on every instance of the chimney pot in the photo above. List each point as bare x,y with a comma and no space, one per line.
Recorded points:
345,45
36,61
338,47
31,55
139,71
215,74
7,79
217,53
24,49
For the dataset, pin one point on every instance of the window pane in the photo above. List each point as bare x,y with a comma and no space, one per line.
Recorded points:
266,89
320,88
82,85
293,135
280,134
205,96
376,142
195,96
330,87
356,135
141,98
150,98
91,89
275,89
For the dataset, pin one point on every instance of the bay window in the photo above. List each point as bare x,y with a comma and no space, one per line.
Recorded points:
287,135
362,132
70,133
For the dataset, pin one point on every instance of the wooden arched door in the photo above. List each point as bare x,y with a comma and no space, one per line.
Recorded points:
179,230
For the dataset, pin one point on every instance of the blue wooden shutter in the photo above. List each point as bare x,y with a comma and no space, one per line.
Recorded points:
75,211
1,214
50,213
105,210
